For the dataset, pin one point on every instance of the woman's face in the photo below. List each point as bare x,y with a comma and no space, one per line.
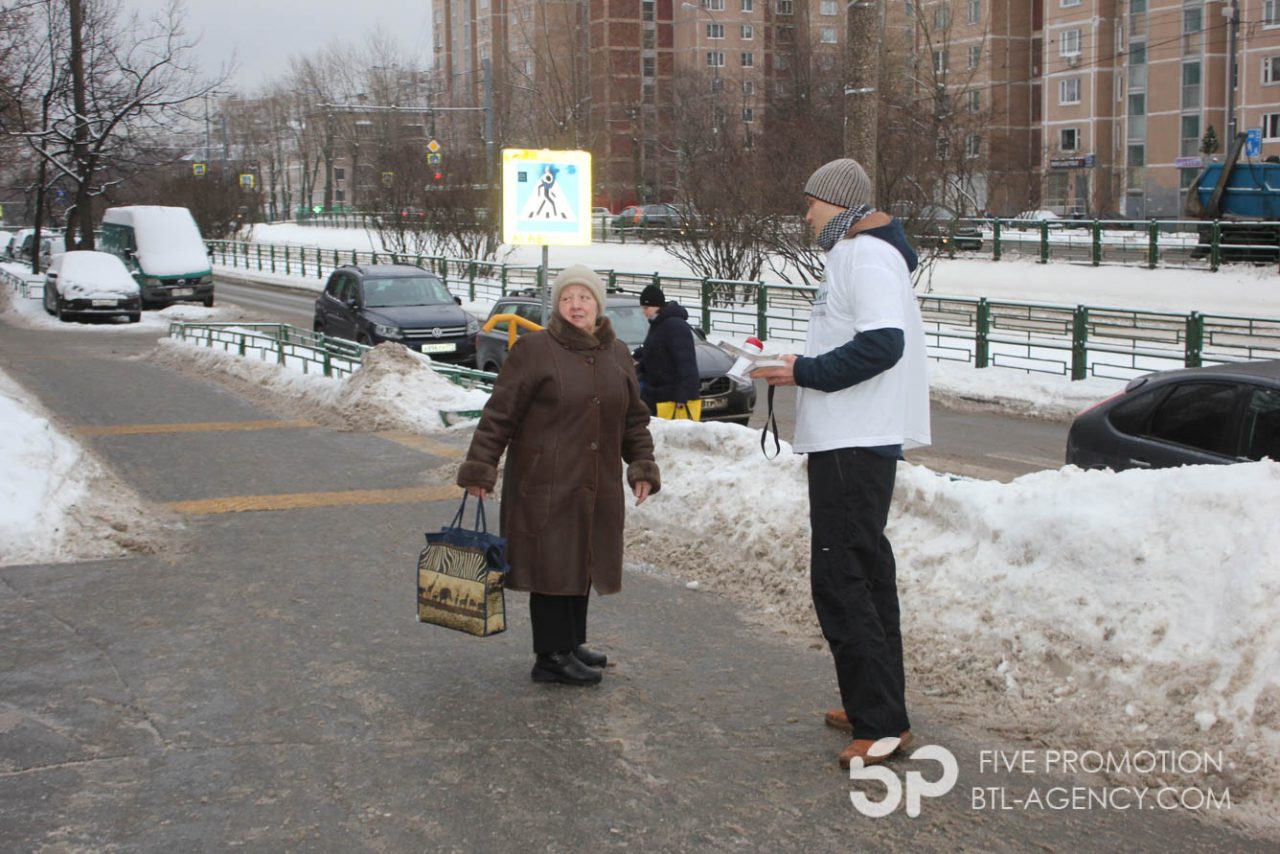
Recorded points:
578,306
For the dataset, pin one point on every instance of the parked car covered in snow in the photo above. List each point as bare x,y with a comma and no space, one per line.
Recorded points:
87,283
163,249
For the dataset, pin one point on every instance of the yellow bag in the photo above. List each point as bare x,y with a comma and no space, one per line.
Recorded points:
688,411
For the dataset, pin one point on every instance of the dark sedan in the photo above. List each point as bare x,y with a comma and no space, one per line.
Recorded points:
399,303
1218,414
723,397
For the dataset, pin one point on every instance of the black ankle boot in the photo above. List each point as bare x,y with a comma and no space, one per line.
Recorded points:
590,658
563,667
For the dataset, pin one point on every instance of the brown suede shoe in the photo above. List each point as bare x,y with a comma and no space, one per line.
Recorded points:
837,719
861,746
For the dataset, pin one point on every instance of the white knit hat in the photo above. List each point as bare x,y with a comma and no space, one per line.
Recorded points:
578,274
843,183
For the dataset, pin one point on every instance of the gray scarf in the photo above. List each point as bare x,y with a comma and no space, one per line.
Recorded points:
840,224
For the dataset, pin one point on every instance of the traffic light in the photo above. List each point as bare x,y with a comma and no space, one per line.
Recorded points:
437,176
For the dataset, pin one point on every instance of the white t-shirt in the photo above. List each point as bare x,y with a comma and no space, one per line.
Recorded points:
867,286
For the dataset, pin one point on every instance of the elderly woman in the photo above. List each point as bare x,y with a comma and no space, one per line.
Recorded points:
567,410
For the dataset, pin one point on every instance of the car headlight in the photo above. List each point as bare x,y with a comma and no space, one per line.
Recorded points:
151,281
206,280
387,331
473,326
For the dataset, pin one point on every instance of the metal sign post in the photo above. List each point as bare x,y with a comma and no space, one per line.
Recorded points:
546,201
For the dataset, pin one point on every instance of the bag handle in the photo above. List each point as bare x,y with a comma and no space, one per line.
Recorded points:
770,422
479,524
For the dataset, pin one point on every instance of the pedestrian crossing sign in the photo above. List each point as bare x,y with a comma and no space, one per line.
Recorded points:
546,197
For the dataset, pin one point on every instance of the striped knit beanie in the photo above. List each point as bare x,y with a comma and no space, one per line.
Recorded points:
843,183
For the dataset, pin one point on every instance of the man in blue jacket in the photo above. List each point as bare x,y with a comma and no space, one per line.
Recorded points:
668,362
863,397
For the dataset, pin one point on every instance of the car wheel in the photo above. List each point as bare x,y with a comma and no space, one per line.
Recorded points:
208,301
363,338
317,327
60,308
135,316
491,368
48,306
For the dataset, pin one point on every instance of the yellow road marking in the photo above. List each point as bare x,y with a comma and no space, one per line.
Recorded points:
302,500
205,427
422,443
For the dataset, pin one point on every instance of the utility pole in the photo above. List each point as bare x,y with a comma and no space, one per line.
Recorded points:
1232,13
82,216
864,36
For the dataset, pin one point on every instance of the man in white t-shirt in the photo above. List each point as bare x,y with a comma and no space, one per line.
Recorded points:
863,397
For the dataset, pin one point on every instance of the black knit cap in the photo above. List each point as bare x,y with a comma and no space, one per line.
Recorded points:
653,295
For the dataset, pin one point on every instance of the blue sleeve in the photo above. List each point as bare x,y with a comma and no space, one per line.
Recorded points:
868,354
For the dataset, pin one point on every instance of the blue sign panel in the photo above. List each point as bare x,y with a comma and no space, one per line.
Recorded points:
546,197
1253,142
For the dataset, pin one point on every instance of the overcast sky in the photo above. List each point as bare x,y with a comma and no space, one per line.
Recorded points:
263,34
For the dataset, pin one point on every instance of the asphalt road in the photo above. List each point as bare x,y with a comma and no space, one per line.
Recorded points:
974,444
259,681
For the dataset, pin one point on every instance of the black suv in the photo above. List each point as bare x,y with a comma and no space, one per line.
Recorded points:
723,397
400,303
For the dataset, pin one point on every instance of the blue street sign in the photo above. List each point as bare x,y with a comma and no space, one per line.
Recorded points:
1253,142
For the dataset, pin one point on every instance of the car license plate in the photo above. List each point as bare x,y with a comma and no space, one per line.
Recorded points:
715,403
104,303
183,292
439,348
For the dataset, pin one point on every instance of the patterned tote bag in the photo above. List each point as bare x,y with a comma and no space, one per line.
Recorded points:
460,577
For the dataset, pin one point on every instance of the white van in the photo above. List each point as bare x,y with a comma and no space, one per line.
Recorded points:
163,249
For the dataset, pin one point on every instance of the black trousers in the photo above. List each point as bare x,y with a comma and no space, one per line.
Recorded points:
855,589
559,622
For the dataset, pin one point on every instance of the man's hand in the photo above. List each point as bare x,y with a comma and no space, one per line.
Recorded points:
778,376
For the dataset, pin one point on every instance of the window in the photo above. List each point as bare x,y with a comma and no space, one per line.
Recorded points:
1069,43
1192,24
1271,13
975,101
941,17
975,55
748,32
647,92
1190,85
785,7
973,145
782,62
1271,69
646,10
828,7
748,60
973,11
1137,115
1190,145
748,88
647,66
748,115
748,5
1271,126
715,31
715,59
1262,425
1138,65
1069,91
1197,415
1069,139
339,173
650,39
1066,4
339,195
944,148
1137,160
940,62
717,85
713,5
827,35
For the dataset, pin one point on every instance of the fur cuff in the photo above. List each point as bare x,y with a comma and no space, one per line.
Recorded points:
644,470
475,473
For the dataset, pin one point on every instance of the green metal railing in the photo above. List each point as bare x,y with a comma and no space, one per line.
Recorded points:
1076,341
29,286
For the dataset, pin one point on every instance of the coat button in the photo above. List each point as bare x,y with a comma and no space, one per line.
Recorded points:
591,360
596,401
594,446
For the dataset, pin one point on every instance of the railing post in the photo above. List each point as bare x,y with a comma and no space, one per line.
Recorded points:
1153,245
1215,245
471,279
502,280
706,305
995,240
258,247
1097,243
1080,343
613,279
273,257
328,362
1044,241
287,270
1195,339
302,262
762,311
319,263
981,333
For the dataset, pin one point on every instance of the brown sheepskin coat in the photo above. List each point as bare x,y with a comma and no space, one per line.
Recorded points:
566,409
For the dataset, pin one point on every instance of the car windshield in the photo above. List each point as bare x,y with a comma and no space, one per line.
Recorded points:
629,323
405,290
